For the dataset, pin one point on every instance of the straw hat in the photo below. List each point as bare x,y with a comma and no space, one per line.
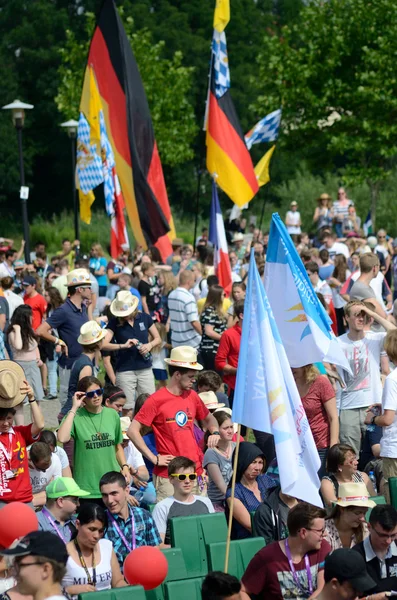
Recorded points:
177,242
11,378
354,494
125,423
324,197
184,356
210,400
124,304
78,277
90,333
294,203
238,237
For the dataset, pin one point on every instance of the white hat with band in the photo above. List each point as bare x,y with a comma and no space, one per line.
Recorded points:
184,356
90,333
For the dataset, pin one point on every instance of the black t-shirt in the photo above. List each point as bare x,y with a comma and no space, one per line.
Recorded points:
130,359
372,436
151,292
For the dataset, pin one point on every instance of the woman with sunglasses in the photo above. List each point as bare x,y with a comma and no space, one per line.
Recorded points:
97,436
92,560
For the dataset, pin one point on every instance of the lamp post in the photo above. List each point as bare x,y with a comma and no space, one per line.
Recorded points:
71,128
18,118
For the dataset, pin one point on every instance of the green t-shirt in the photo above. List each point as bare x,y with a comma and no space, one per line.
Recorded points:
95,438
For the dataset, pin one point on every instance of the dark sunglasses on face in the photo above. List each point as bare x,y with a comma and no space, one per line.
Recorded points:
183,476
94,393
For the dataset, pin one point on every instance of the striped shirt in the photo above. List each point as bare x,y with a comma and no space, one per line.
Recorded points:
341,211
183,311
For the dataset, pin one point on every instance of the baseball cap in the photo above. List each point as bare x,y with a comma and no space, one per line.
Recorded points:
64,486
40,543
372,241
19,264
348,565
29,280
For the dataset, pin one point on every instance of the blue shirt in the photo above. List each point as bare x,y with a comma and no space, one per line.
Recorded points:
146,533
136,293
250,501
45,525
130,359
68,319
95,265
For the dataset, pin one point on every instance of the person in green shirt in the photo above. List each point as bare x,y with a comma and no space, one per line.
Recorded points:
97,437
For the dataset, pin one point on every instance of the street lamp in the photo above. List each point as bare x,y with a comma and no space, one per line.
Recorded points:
71,128
18,117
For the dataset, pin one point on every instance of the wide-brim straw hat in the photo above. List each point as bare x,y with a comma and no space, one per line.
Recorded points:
11,378
90,333
124,304
354,494
210,400
324,197
184,356
238,237
78,277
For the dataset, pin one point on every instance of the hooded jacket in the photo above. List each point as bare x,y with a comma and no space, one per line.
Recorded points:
268,522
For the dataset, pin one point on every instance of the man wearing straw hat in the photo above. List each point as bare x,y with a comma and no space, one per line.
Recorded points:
14,469
67,320
171,412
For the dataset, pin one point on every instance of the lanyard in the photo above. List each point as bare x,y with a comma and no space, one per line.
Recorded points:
90,580
49,518
121,534
294,575
7,453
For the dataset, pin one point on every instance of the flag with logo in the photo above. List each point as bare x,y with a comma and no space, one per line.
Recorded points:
266,130
266,397
217,237
304,326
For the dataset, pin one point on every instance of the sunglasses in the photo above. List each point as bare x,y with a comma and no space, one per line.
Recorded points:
94,393
183,476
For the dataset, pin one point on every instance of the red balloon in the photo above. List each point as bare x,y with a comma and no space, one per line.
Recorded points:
16,520
146,566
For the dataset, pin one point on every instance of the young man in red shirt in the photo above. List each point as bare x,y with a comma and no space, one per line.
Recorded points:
171,412
226,359
34,300
14,469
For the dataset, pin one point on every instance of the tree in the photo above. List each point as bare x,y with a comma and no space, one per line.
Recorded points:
333,71
166,81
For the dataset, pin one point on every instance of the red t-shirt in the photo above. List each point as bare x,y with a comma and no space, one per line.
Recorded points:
39,307
319,393
269,575
172,420
228,351
14,457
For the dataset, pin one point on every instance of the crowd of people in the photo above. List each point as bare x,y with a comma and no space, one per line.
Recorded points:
142,354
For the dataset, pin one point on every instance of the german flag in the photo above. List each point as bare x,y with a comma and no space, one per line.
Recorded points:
228,159
130,131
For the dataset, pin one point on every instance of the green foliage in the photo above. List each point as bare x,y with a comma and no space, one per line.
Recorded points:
166,81
339,57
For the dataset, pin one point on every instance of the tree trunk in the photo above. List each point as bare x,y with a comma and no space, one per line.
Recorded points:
374,192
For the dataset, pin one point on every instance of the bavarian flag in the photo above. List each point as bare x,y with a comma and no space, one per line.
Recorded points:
228,159
130,131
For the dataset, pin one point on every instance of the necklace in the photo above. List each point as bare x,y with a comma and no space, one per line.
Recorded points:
97,433
224,451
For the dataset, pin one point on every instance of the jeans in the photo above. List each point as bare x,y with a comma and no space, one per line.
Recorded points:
52,366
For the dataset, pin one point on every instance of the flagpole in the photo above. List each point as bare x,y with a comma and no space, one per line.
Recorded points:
263,211
229,529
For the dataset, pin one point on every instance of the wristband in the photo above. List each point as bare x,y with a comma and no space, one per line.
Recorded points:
122,466
72,411
31,401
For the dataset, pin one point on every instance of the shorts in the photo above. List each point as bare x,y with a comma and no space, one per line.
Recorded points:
46,350
160,374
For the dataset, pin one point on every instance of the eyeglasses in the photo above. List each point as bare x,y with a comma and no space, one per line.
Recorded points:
18,566
320,531
381,237
183,476
73,499
94,393
385,536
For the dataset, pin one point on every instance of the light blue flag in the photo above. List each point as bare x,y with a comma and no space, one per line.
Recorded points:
266,397
304,326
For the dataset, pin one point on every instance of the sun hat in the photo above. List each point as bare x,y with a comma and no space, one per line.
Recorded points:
238,237
78,277
18,264
40,543
125,423
372,241
294,203
210,400
345,564
177,242
64,486
184,356
124,304
11,378
354,494
324,197
90,333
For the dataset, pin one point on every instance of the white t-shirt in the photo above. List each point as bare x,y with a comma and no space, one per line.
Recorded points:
158,358
133,457
388,443
323,288
364,387
40,479
382,250
293,217
337,248
63,457
13,301
76,575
